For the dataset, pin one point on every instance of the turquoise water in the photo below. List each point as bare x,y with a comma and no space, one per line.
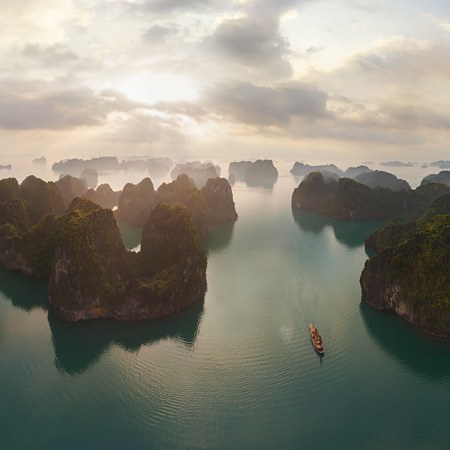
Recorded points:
239,370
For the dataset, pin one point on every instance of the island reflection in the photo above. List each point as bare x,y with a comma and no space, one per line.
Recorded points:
352,233
24,292
219,238
78,346
418,353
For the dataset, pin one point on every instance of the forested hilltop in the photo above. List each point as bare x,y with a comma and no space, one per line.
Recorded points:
80,251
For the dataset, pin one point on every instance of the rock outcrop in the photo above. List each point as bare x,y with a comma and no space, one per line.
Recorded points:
353,172
348,199
42,198
94,276
301,169
136,202
71,187
219,201
31,251
89,264
103,196
90,273
210,206
75,166
91,177
396,164
9,189
199,172
410,274
441,164
379,178
261,173
441,177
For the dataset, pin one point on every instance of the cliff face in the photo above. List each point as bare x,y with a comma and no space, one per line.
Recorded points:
103,196
9,189
198,172
91,275
441,177
301,169
348,199
210,206
171,266
15,212
89,264
136,202
379,178
71,187
412,276
42,198
219,201
30,252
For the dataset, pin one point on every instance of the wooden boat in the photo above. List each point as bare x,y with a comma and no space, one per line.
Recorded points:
316,339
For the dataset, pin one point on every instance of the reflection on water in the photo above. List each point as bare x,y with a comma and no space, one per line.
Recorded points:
79,345
418,353
352,233
261,183
219,238
24,292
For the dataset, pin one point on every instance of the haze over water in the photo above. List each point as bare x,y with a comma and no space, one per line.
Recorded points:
238,371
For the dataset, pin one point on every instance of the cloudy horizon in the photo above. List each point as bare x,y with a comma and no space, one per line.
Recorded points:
313,80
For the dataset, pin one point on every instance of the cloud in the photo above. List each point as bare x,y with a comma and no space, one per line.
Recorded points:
142,127
252,45
34,105
49,55
157,34
263,106
401,56
168,6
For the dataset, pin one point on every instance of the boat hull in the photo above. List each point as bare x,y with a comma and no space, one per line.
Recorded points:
316,340
320,352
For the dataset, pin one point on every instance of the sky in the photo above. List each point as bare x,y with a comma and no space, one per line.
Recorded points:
305,80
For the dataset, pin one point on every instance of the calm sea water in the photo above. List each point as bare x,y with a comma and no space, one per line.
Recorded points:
239,370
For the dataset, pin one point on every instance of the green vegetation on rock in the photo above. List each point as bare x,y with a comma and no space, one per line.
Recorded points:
136,202
411,273
42,198
348,199
9,189
210,206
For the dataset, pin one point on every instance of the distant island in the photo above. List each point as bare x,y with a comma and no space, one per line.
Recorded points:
40,160
350,199
300,169
441,164
80,251
410,273
396,164
260,173
209,206
197,171
441,177
156,167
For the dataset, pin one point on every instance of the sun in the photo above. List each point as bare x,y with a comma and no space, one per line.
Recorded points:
154,88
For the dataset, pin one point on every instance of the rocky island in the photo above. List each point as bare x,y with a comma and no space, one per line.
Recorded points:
80,251
410,274
349,199
301,169
199,172
261,173
209,206
441,177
